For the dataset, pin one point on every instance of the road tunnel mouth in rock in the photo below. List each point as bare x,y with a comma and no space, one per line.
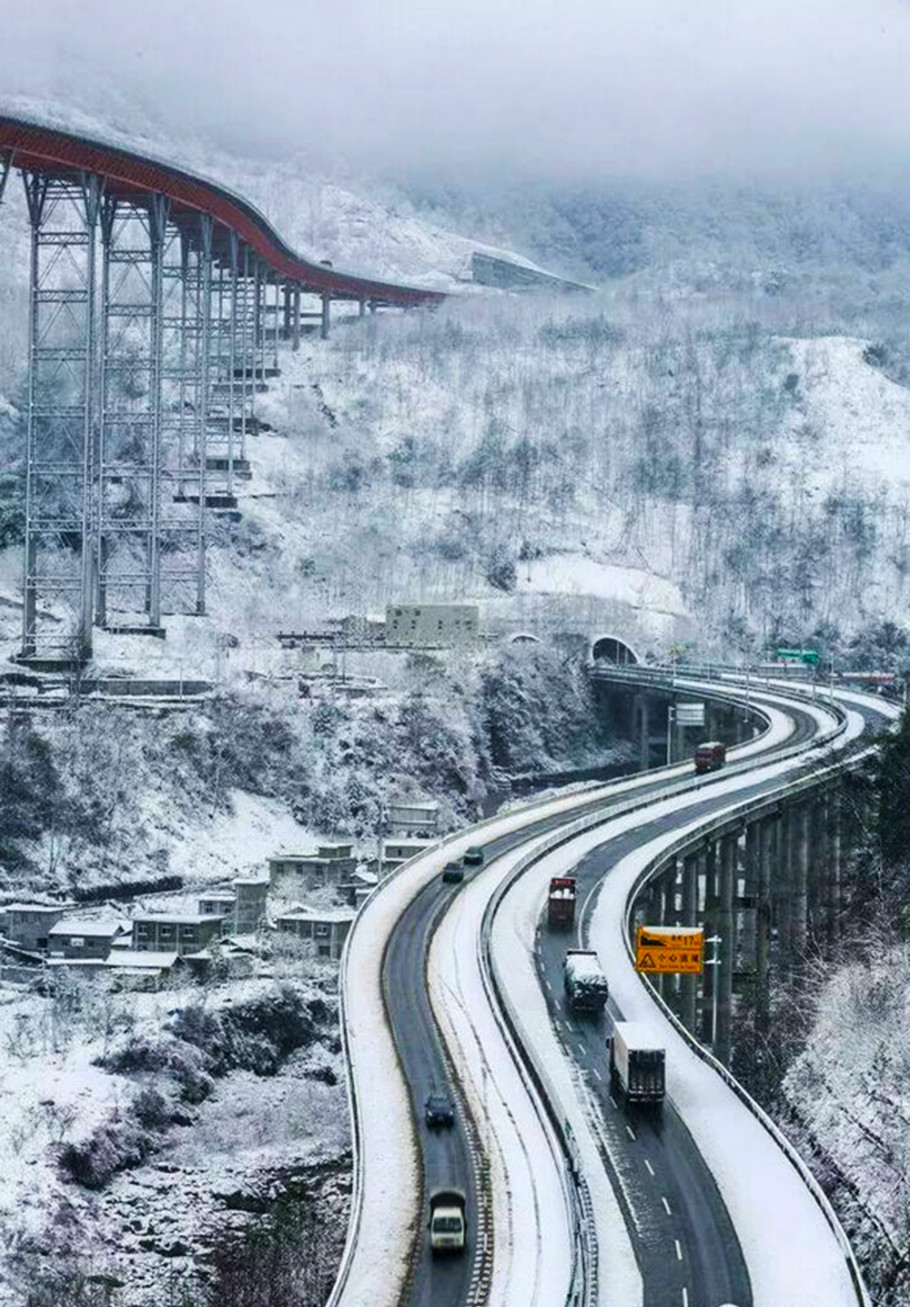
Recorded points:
613,649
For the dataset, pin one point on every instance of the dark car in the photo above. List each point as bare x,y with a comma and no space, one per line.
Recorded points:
453,873
473,856
438,1110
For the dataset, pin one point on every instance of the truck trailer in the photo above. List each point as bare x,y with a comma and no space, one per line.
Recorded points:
561,903
448,1232
637,1064
585,983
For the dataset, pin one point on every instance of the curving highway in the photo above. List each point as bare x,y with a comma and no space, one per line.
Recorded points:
701,1225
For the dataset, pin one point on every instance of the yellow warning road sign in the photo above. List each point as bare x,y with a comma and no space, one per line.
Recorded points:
670,949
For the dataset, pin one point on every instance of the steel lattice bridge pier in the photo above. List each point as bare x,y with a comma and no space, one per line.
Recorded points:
156,303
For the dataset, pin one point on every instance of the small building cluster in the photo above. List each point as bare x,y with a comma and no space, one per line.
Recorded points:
153,943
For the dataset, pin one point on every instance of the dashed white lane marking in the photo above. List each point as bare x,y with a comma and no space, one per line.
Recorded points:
614,1102
678,1250
667,1209
630,1132
582,1051
685,1296
650,1168
595,1073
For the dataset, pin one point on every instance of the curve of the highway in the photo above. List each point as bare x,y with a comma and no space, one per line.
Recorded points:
387,1141
675,1215
133,177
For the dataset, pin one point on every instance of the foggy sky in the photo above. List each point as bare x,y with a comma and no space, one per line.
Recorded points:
467,88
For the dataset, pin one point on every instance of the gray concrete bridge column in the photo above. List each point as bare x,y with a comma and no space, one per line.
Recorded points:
767,830
799,837
833,836
688,991
782,889
644,738
709,895
727,930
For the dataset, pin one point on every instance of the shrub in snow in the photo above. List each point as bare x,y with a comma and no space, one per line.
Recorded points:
114,1146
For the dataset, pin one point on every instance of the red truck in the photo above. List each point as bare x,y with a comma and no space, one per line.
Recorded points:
561,903
710,756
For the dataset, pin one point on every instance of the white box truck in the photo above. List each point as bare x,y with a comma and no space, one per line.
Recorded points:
637,1064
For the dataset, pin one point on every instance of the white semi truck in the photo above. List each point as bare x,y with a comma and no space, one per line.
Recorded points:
637,1064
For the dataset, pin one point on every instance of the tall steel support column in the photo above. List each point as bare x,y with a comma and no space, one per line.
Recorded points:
232,360
763,925
726,930
247,348
326,321
4,171
59,544
259,328
286,310
128,524
295,330
204,391
689,985
276,322
158,236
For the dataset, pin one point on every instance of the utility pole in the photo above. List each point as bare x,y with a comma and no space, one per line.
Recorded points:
714,961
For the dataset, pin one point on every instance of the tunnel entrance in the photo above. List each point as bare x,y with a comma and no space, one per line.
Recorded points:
611,649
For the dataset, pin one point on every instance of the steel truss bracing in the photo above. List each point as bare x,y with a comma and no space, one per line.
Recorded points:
59,552
144,365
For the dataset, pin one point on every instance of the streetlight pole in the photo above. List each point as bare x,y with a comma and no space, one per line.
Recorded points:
671,718
714,961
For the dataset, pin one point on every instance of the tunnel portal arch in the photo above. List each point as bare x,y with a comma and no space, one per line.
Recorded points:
613,649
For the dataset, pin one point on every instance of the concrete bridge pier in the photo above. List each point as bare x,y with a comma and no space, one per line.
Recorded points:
833,829
688,990
726,928
799,837
782,891
767,828
710,899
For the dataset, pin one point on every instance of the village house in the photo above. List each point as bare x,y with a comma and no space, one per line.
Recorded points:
413,817
327,928
249,909
292,873
28,925
219,903
84,938
142,969
176,932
